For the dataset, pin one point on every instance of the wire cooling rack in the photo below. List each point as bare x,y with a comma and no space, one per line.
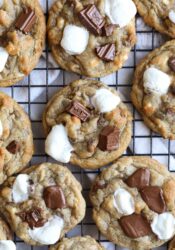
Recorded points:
33,96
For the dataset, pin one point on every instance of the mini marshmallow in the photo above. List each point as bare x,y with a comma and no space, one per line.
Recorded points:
49,233
3,58
171,16
1,128
57,144
75,39
104,100
1,3
163,225
7,245
124,202
120,12
156,81
20,190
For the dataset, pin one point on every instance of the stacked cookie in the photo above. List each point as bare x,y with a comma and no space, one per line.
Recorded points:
86,124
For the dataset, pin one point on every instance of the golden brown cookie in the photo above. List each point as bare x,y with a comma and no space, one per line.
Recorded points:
153,91
78,243
22,38
91,38
87,124
158,14
16,144
133,203
6,236
42,203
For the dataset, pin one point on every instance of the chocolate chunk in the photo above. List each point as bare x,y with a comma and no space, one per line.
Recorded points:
139,179
108,30
32,217
153,197
77,109
109,138
171,63
13,147
26,20
106,52
54,197
135,225
91,18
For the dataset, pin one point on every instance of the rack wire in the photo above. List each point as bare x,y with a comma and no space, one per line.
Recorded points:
121,80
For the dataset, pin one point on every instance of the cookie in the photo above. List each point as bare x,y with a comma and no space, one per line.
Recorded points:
16,144
42,203
77,243
22,37
87,125
6,237
133,203
92,38
158,14
171,245
153,91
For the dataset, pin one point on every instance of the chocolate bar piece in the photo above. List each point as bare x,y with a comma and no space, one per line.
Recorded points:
78,110
109,138
91,18
106,52
26,20
135,225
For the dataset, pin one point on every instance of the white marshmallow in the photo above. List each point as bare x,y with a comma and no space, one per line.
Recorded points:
1,128
120,12
3,58
75,39
171,16
7,245
156,81
104,100
124,202
1,3
57,144
20,190
49,233
163,225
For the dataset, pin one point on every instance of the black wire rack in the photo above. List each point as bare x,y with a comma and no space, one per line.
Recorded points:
121,80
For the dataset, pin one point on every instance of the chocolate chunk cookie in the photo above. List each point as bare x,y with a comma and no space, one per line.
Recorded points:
153,92
158,14
86,124
16,140
6,236
133,203
78,243
91,38
22,36
42,203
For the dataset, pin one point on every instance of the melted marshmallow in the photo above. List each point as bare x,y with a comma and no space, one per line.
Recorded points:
171,16
124,202
163,225
104,100
156,81
7,245
57,144
3,58
49,233
1,3
20,190
120,12
75,39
